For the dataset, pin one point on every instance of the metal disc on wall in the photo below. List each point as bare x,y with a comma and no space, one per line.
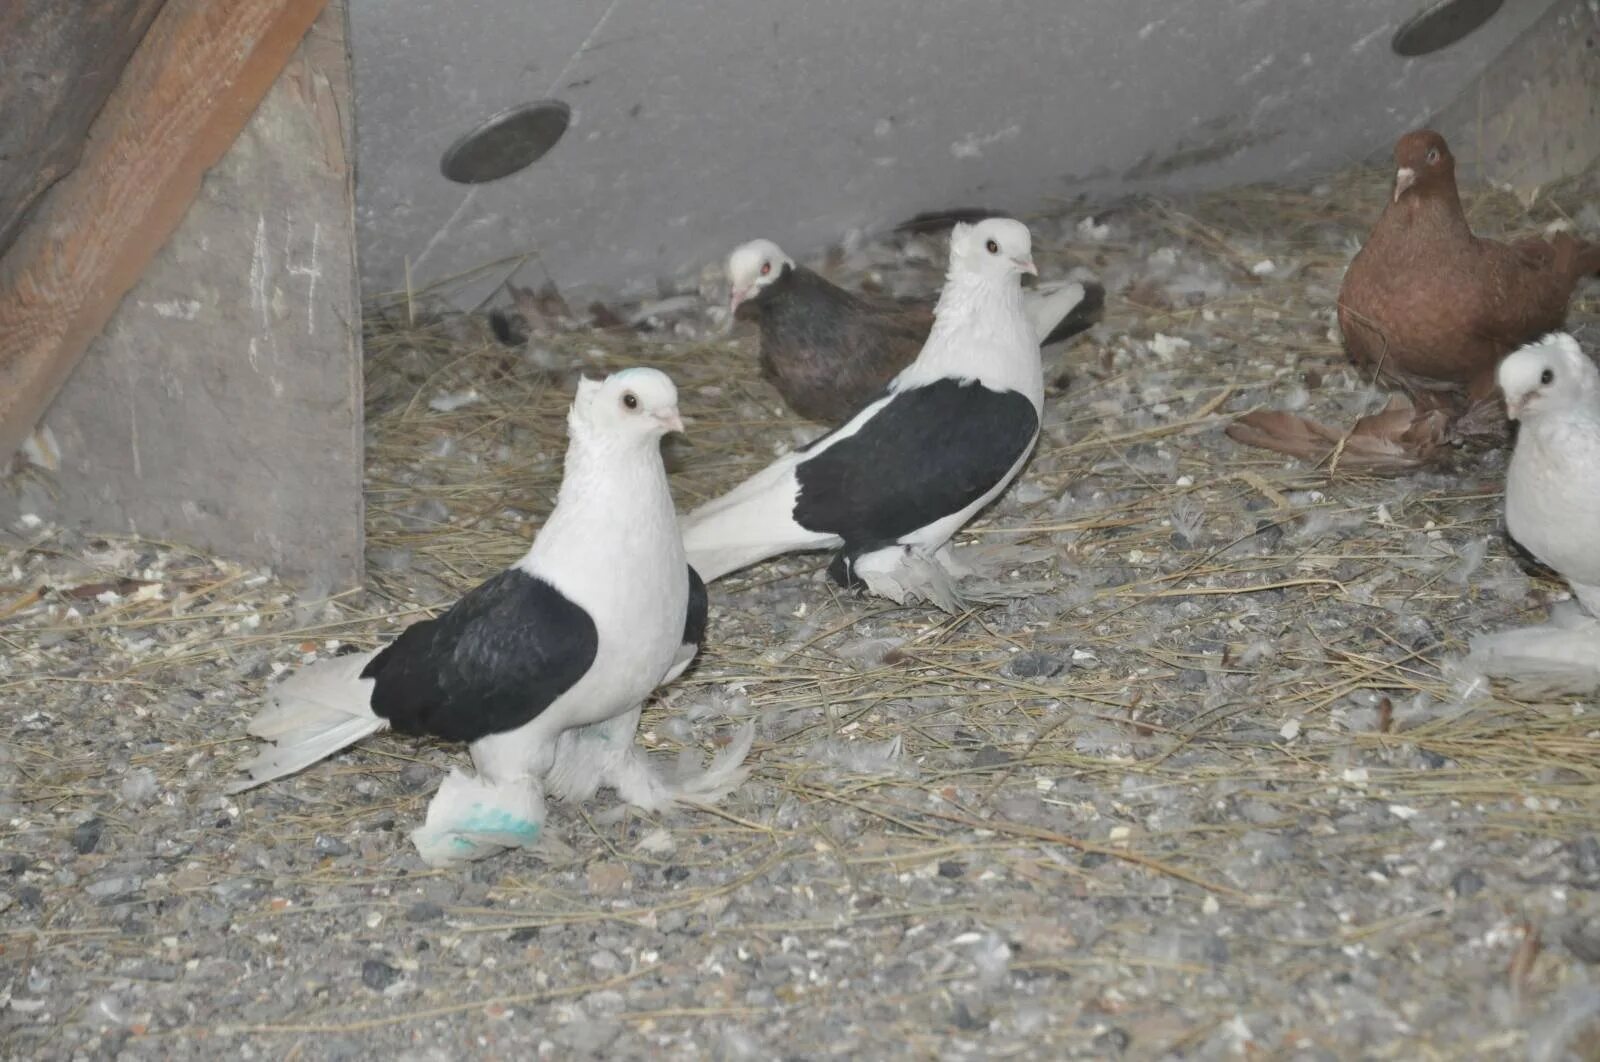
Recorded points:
1441,24
510,141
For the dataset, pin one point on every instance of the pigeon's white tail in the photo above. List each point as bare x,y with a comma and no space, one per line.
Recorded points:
1543,661
309,716
1046,306
1061,310
750,523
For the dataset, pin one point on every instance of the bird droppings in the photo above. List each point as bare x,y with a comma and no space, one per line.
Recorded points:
1152,795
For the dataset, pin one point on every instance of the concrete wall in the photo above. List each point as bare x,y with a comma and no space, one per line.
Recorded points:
700,123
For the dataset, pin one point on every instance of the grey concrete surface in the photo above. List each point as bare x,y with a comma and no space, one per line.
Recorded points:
701,123
221,407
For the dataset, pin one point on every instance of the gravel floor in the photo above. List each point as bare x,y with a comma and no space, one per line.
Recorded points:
1210,786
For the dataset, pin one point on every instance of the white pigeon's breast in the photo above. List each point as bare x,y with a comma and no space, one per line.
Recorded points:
640,626
1553,500
622,562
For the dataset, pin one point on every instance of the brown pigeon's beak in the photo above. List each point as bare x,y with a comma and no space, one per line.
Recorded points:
1404,178
1026,265
670,419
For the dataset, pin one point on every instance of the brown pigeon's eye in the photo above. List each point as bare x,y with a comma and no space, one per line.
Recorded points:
766,267
630,400
1433,156
1547,377
993,248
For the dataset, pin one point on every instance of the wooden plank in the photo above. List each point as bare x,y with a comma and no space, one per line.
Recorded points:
58,63
194,81
221,405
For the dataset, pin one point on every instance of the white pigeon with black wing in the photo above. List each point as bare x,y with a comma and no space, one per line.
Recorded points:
542,661
890,486
1552,389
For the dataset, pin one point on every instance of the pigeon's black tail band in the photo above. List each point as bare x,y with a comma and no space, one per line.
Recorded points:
506,329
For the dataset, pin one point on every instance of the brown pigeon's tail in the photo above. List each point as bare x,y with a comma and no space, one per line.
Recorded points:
1589,259
1574,257
1396,439
511,330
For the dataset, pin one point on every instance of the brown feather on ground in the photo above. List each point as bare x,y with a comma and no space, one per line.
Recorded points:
1398,438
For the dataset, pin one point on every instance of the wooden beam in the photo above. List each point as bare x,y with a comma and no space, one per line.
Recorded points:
194,81
58,63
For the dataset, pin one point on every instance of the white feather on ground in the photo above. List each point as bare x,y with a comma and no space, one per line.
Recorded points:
868,758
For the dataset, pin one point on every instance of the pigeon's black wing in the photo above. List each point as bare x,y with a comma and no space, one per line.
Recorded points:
694,623
499,657
827,351
929,452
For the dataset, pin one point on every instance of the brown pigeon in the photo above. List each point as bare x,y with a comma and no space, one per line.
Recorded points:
1431,308
829,351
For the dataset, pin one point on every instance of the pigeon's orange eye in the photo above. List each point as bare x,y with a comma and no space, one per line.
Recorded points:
1547,377
1433,156
993,248
630,400
766,267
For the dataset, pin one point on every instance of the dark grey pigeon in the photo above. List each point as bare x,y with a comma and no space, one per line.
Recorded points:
829,352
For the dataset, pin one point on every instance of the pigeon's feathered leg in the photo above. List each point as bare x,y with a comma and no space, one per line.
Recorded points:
905,574
949,579
502,807
1588,597
638,783
607,754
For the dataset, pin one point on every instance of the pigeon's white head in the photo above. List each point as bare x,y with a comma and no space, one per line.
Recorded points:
1548,376
634,404
751,267
994,249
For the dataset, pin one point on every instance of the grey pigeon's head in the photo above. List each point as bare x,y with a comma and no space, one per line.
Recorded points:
1550,375
993,249
751,267
632,404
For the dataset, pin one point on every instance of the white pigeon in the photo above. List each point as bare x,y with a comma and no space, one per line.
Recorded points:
890,486
543,669
1552,389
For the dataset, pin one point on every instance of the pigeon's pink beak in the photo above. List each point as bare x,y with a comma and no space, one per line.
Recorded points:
1026,265
738,296
670,419
1404,178
1515,406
